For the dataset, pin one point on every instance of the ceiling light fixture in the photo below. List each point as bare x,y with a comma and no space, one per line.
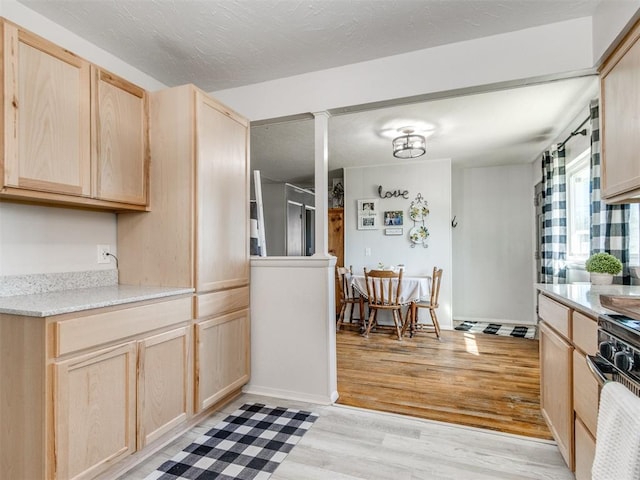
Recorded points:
409,145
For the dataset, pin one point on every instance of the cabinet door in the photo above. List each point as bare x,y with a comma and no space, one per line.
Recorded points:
586,392
222,198
585,451
620,120
47,116
222,357
556,390
120,113
164,383
95,398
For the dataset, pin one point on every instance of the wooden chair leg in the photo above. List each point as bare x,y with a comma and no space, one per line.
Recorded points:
434,319
414,320
407,320
341,316
394,314
372,318
361,303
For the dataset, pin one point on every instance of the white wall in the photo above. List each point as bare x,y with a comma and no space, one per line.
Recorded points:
610,20
52,240
36,239
293,350
492,244
431,178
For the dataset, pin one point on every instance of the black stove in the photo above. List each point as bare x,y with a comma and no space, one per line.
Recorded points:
618,356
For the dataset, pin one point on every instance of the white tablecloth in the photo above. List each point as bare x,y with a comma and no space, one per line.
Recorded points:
413,288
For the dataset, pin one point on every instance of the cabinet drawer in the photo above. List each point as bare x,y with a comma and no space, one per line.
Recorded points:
555,314
585,392
584,332
225,301
92,330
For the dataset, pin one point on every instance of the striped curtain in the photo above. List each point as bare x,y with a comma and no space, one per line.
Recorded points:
609,223
554,230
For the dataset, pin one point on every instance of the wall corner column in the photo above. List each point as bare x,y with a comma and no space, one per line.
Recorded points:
321,149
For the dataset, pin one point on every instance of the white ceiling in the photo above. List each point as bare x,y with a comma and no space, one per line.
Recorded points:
504,127
219,44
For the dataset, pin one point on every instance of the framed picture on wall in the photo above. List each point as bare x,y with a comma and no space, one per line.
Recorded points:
393,218
367,222
368,206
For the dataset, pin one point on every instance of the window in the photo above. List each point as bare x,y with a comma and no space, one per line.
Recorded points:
578,176
578,208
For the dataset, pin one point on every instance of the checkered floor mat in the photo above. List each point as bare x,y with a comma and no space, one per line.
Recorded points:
248,444
528,331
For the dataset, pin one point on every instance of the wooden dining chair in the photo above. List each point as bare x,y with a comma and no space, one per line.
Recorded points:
431,304
384,294
348,296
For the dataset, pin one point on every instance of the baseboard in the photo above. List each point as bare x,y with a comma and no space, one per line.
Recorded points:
291,395
503,321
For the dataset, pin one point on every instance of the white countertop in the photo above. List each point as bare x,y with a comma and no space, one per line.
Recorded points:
586,297
75,300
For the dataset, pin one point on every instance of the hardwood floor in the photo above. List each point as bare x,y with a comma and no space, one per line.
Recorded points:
479,380
347,443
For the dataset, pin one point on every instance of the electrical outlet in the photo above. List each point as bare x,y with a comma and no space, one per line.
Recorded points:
367,252
103,251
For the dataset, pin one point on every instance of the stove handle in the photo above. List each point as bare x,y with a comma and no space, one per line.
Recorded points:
595,366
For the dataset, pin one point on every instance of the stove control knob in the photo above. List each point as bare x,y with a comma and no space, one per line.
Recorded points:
624,361
607,350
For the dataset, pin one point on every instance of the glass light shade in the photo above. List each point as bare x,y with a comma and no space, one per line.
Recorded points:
409,146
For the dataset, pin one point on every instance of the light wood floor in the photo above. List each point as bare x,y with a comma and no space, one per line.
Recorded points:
347,443
479,380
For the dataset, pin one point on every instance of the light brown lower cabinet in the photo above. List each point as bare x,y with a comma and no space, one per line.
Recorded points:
586,391
222,357
107,408
569,393
82,392
556,390
585,451
165,385
95,411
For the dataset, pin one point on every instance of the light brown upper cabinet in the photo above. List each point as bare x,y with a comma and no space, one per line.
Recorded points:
120,122
620,122
197,232
73,133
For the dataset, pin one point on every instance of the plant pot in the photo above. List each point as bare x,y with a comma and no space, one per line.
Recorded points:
601,278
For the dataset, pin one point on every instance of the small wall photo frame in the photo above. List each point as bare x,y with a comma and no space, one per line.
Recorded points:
393,218
368,206
394,231
367,222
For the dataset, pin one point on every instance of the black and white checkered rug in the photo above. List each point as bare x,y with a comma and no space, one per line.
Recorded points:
528,331
248,444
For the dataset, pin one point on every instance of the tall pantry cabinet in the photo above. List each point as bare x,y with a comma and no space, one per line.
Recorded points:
196,233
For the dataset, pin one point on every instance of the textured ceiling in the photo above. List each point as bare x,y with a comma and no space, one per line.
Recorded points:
219,44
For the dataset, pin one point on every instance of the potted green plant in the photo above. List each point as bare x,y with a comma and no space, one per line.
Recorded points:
602,267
